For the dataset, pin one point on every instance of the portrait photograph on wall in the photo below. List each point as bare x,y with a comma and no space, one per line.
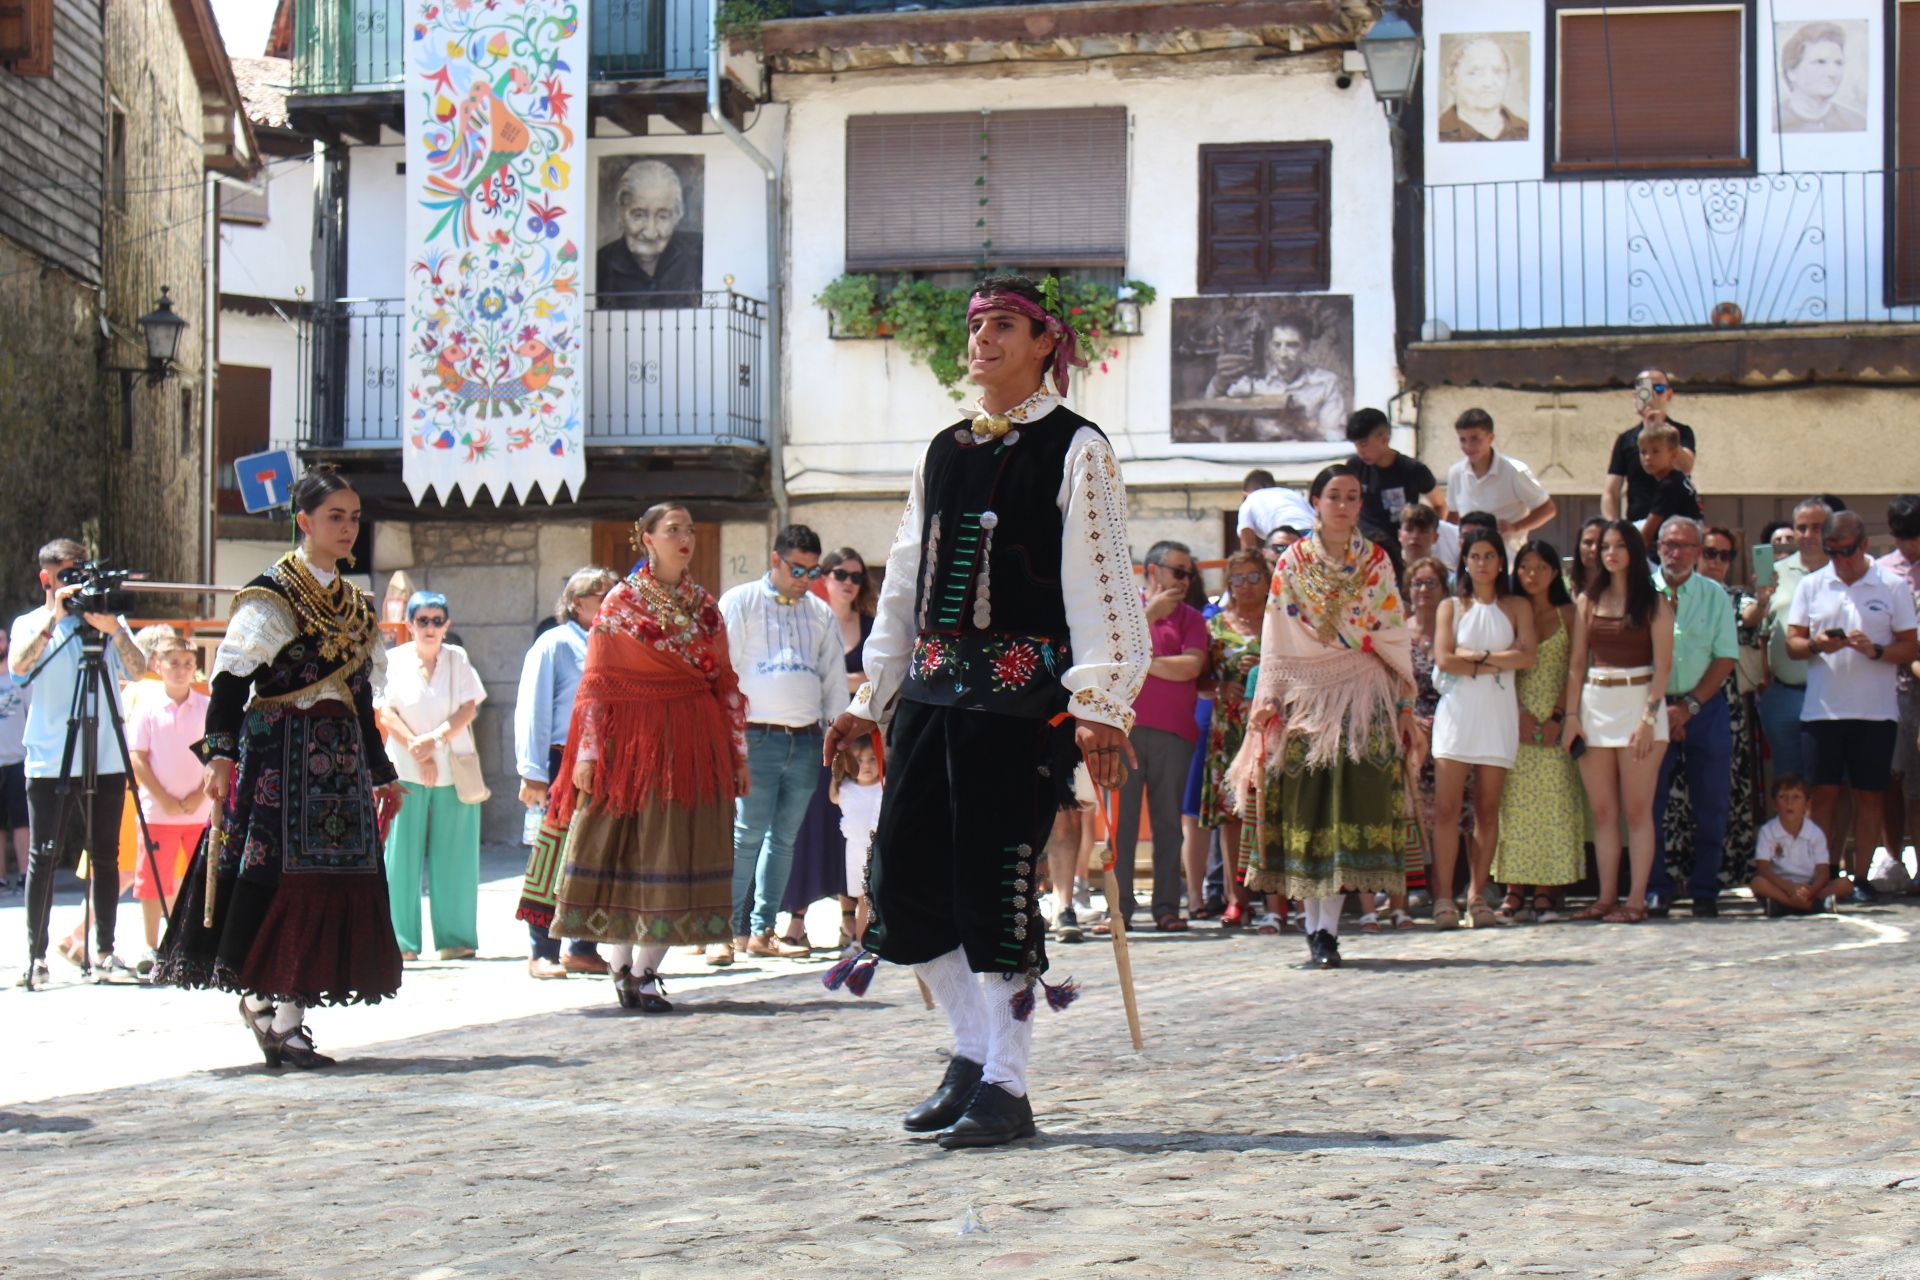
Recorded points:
649,228
1263,368
1824,70
1485,77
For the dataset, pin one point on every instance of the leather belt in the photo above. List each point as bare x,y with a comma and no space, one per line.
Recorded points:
1618,682
1788,684
795,730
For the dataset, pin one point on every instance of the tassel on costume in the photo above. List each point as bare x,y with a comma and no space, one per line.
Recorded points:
855,973
1060,995
1021,1003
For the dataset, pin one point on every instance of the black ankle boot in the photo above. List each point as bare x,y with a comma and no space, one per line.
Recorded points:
949,1100
993,1118
1329,950
1314,950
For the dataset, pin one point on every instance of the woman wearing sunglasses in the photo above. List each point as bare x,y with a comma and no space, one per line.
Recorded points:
820,851
431,698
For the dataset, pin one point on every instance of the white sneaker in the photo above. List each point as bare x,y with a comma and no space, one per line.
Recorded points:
148,959
108,967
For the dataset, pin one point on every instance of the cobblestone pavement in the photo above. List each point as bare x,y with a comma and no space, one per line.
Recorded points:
1717,1099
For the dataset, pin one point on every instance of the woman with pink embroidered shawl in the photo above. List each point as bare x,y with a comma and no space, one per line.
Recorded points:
1332,721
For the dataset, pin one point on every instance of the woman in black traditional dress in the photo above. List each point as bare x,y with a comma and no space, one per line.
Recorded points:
298,914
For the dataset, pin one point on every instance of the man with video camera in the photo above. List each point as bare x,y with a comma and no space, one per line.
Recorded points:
43,647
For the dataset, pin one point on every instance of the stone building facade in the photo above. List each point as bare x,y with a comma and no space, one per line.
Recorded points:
107,136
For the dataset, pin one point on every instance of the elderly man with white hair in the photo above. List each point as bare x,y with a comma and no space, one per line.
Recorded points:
652,255
1705,648
1852,623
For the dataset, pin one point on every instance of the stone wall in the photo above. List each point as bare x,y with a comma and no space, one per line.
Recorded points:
154,238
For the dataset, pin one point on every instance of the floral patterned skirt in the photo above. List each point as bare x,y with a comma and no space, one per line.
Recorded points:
1336,828
300,904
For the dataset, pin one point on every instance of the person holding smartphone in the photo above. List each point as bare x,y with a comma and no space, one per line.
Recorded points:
1852,623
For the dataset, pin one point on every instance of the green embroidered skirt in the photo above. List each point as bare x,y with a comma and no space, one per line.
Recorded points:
1327,830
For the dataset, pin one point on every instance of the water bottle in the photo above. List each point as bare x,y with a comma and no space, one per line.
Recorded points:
530,831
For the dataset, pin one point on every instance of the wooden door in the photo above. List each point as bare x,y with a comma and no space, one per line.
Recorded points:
613,548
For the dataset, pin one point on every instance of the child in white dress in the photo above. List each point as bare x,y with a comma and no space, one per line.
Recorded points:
856,789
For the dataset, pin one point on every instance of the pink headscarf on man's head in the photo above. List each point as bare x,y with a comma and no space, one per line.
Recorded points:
1066,341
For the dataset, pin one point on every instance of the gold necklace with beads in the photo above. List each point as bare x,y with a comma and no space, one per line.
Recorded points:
673,607
339,615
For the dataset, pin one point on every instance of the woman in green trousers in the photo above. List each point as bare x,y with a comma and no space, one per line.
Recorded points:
431,698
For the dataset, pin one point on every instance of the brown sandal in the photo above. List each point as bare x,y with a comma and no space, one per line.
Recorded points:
1598,911
1626,915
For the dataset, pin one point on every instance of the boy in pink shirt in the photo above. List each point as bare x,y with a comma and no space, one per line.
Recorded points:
161,731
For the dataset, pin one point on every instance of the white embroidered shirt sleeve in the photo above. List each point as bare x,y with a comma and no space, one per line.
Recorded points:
1106,625
890,643
256,633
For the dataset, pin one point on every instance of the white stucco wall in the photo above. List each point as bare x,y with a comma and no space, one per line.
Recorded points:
274,259
859,412
1511,248
267,342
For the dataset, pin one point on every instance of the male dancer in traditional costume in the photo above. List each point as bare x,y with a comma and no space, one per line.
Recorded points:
1009,632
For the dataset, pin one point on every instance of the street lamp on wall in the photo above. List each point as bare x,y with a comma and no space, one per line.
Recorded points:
1391,49
160,328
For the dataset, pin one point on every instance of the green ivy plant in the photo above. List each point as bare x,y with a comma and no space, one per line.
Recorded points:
929,321
739,20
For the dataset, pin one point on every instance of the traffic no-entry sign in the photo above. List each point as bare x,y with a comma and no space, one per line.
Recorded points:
266,479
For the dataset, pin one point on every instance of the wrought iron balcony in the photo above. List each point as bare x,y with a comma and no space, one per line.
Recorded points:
360,46
1673,253
659,370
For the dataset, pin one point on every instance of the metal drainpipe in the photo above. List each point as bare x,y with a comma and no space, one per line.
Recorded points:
209,375
776,428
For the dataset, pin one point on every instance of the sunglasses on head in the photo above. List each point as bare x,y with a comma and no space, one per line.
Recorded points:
858,577
800,571
429,619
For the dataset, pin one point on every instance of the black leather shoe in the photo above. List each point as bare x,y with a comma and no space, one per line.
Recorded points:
1659,906
993,1118
1705,909
654,1001
1313,950
1863,895
949,1101
625,989
1329,950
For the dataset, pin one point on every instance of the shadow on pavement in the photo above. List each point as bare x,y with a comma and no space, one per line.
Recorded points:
750,1008
413,1065
1417,964
12,1122
1208,1140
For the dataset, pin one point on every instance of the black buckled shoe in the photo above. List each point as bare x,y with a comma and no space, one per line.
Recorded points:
949,1102
993,1118
295,1048
654,1001
1329,950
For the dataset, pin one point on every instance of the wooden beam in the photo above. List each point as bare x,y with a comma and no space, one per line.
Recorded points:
688,115
1019,22
630,113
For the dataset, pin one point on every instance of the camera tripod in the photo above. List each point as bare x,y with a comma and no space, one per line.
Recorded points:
93,689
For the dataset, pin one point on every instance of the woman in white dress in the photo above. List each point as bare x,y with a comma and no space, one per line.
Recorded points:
1481,635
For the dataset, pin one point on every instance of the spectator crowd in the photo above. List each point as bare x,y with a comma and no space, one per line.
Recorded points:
1669,712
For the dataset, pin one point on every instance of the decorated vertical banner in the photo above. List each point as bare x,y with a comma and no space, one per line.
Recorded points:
496,207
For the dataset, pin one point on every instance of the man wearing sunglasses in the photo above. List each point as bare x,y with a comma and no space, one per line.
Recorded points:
785,645
1652,398
1853,624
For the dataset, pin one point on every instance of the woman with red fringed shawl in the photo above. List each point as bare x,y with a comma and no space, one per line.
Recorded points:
641,810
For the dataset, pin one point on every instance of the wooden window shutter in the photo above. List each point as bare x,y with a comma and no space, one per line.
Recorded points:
1051,191
1622,101
1265,217
26,37
1906,154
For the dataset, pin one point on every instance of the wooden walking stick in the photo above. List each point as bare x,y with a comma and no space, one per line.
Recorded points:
926,996
216,840
1117,923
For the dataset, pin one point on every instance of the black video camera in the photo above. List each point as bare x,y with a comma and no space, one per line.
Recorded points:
100,588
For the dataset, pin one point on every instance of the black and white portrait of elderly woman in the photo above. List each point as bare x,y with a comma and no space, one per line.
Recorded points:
1823,76
650,229
1483,87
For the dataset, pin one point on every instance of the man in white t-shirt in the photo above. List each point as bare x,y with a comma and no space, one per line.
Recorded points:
1487,480
1852,623
1267,505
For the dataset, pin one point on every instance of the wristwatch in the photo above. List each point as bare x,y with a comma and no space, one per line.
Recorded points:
1692,704
1878,651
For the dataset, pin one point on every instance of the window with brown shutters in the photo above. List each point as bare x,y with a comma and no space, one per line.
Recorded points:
1650,87
951,190
1905,148
1265,223
26,37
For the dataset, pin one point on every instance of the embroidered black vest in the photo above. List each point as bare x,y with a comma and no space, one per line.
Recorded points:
297,666
989,616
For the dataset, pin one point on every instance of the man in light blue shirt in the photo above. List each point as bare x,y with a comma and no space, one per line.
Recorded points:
542,715
44,647
1705,648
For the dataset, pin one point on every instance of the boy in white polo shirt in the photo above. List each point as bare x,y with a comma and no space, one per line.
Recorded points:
1793,872
1487,480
